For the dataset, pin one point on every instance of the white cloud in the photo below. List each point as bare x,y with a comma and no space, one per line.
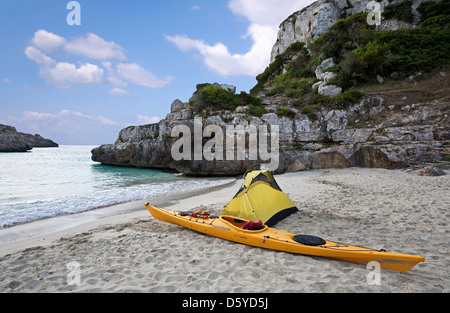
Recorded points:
137,75
39,57
267,12
143,119
66,126
37,116
114,77
9,120
264,17
119,92
94,47
7,80
219,59
90,46
64,115
96,119
62,74
48,42
69,73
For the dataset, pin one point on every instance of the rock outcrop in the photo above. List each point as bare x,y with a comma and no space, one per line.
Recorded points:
432,170
385,129
325,76
13,141
309,23
378,131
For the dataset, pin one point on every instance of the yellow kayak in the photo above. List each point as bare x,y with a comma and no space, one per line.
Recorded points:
230,228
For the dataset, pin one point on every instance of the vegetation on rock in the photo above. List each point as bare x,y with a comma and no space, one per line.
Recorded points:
400,11
361,54
212,97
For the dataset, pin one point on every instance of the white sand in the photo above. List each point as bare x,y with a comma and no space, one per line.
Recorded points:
131,251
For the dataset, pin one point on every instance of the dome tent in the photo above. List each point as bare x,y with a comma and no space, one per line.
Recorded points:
260,198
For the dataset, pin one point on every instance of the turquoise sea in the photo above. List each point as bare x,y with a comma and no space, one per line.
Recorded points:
47,182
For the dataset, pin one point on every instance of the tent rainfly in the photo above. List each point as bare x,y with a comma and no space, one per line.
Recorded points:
260,198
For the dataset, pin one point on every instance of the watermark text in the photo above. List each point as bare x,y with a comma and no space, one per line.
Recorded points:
74,275
236,143
74,16
374,277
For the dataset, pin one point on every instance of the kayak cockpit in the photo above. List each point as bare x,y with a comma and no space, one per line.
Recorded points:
243,224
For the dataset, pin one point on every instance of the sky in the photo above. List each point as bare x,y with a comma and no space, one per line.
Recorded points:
78,72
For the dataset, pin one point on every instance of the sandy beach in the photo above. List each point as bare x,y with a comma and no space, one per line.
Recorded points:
123,249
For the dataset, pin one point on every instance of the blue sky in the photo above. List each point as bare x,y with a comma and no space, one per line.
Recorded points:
127,61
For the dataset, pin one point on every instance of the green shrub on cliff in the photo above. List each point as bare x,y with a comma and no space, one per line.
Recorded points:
341,101
212,97
283,111
294,58
400,11
429,9
300,63
310,110
422,48
361,53
342,37
257,110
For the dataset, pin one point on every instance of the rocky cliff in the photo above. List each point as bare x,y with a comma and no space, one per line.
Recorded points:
309,23
299,116
384,129
13,141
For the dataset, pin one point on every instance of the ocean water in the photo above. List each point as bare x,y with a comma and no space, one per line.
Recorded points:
47,182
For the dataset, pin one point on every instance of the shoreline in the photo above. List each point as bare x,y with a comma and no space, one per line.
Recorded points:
132,252
46,230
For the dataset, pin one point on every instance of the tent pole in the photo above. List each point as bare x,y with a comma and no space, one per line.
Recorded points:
251,207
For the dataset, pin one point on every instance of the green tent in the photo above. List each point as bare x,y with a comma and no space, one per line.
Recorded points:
260,198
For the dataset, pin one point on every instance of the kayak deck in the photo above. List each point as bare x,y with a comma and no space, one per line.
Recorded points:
230,228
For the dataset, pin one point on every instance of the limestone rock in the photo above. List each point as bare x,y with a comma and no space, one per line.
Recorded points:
13,141
230,88
329,158
432,170
396,140
306,25
177,105
317,84
320,70
329,90
326,76
242,109
10,143
310,22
